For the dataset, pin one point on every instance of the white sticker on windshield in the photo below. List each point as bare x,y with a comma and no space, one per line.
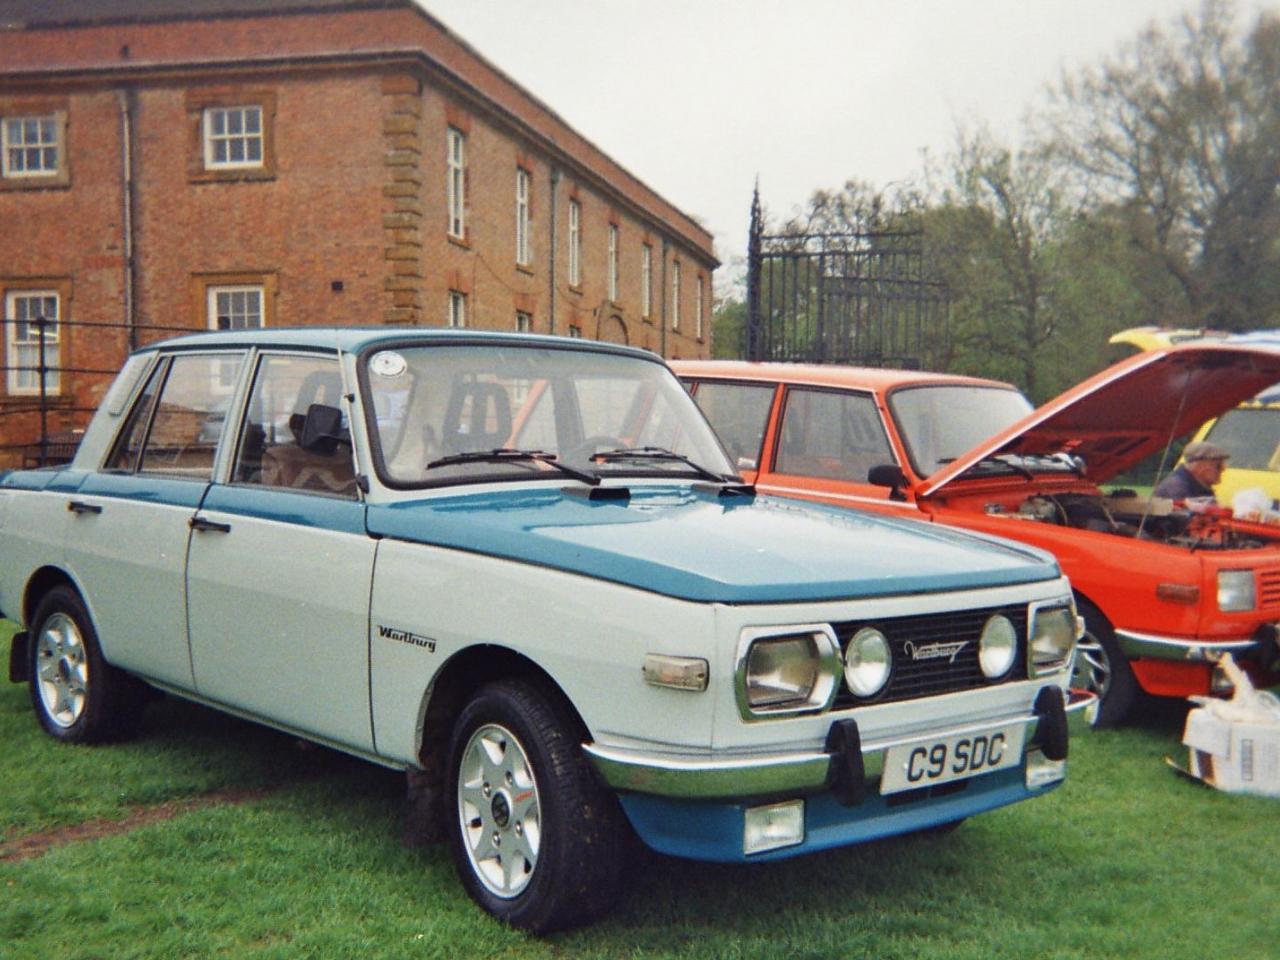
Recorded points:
388,363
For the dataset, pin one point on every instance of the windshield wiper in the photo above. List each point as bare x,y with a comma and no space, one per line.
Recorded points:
661,453
512,455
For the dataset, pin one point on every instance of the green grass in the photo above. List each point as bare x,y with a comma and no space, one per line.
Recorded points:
1127,860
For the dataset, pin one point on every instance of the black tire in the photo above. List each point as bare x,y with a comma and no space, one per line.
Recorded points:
78,697
1102,668
536,840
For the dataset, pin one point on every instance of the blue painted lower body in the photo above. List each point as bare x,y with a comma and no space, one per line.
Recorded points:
712,830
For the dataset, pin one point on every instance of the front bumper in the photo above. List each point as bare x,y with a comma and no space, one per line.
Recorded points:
1151,646
845,764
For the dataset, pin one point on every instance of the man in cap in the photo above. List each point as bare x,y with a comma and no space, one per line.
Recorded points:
1201,468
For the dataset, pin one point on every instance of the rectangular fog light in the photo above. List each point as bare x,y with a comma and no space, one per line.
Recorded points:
1041,771
774,826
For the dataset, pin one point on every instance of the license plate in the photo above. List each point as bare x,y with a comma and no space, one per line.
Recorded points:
924,763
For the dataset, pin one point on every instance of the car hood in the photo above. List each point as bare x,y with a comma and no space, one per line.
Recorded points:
1129,411
689,543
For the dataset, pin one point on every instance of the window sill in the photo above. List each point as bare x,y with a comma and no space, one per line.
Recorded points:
237,175
52,181
457,241
575,288
524,268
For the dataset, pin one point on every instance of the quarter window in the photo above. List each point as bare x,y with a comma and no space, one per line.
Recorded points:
233,137
456,182
523,255
26,313
31,146
833,435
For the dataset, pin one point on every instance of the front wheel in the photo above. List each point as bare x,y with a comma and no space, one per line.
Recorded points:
1102,668
78,697
536,841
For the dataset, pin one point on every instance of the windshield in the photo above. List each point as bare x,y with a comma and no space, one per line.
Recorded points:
938,424
1251,436
465,413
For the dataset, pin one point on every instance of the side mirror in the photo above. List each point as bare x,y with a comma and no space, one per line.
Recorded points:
889,475
322,429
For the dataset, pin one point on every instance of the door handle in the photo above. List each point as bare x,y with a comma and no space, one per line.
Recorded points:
79,506
202,525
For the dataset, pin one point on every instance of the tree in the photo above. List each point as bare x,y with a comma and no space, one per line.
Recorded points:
1180,136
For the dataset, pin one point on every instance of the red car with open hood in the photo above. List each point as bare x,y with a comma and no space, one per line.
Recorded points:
1163,589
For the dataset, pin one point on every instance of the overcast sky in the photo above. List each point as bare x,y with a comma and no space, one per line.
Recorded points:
699,97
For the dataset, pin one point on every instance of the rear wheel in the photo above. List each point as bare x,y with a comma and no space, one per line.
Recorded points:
1101,668
78,697
535,839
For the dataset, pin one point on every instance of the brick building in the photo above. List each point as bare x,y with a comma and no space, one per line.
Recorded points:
212,163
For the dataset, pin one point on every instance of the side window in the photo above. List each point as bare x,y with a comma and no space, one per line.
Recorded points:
833,435
189,419
739,413
295,434
124,457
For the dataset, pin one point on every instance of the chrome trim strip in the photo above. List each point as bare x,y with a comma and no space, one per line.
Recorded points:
702,778
1157,647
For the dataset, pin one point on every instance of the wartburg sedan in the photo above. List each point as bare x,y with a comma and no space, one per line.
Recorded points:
1163,591
522,570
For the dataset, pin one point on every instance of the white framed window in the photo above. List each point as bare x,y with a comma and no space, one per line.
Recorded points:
613,262
524,322
30,146
575,243
646,281
236,307
23,308
523,253
456,183
457,309
233,137
675,295
575,331
697,308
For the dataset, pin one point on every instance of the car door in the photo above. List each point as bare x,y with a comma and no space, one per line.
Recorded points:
126,543
825,443
280,565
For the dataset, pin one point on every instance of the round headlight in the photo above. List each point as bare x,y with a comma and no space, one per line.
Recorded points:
867,662
997,647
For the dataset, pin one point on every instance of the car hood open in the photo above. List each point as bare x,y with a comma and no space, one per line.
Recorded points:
1127,412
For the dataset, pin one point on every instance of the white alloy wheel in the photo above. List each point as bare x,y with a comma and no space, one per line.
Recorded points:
499,810
62,670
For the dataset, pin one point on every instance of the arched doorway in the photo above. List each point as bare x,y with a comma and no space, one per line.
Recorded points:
613,330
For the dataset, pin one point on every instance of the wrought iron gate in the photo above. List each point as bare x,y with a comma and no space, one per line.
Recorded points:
855,298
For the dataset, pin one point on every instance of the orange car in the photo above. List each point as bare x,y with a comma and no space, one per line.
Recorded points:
1162,589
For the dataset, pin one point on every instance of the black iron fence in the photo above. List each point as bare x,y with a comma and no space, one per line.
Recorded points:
863,298
41,410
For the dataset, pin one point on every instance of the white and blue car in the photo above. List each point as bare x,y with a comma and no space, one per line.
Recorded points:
521,569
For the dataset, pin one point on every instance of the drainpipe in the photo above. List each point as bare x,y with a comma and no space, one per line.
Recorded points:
662,339
551,272
126,100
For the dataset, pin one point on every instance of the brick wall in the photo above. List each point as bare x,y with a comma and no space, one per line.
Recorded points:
345,222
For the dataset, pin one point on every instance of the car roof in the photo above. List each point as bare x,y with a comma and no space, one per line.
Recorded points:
357,339
878,379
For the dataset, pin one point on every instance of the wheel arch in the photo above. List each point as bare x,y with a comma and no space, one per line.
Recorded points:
38,586
461,676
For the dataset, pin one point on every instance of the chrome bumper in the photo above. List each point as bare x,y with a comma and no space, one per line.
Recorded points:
754,775
1153,646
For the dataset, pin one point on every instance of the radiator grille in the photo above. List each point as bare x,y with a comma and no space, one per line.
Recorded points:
913,678
1269,588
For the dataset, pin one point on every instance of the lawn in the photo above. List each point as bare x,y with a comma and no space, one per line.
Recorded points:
296,853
